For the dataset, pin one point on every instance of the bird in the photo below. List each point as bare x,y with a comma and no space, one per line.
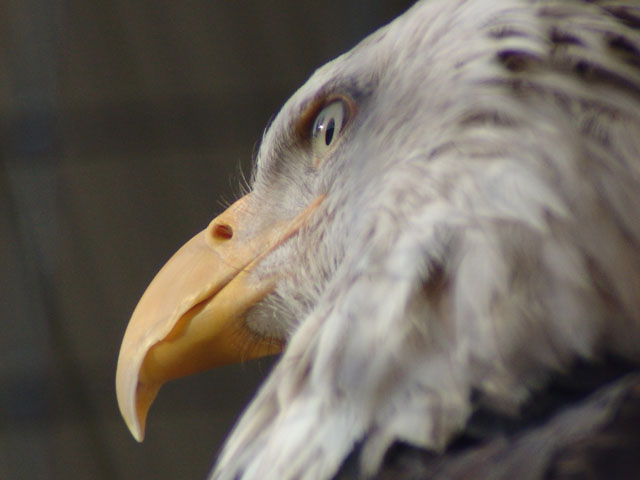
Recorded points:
441,239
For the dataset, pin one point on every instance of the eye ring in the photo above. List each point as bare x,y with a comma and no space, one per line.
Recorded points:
327,126
325,122
306,124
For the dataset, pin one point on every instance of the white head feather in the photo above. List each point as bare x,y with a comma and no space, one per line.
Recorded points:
479,231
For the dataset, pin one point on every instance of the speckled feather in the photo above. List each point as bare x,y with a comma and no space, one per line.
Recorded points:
480,230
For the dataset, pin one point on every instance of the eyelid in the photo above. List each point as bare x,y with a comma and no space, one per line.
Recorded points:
307,118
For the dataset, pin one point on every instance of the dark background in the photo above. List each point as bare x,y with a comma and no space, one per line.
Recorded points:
123,126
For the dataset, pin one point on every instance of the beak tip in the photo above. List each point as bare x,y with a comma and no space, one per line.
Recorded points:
136,429
137,432
134,413
134,399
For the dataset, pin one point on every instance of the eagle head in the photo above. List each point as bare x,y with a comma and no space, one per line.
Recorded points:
440,218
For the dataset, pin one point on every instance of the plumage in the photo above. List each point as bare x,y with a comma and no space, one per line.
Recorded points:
441,222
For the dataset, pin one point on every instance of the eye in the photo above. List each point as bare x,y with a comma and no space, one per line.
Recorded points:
327,127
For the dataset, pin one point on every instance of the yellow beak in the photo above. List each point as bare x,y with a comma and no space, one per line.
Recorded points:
191,317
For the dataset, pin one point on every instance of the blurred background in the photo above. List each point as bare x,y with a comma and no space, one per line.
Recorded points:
124,128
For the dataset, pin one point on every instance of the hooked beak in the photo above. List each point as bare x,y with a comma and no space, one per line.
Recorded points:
191,317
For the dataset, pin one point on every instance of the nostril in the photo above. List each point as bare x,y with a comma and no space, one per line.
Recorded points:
222,231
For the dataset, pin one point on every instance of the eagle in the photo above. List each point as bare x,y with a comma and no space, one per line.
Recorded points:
442,232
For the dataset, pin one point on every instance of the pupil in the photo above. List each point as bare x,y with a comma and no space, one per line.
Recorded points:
331,126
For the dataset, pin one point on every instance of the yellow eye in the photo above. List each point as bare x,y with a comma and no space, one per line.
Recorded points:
327,127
